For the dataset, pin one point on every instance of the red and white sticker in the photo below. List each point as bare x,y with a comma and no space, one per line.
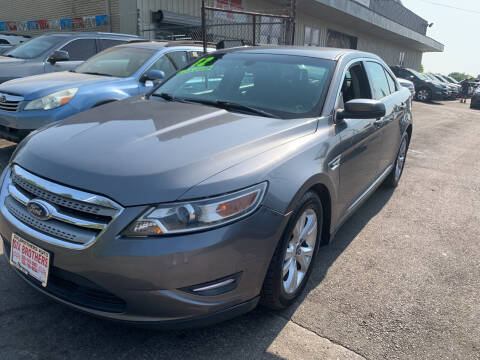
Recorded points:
30,259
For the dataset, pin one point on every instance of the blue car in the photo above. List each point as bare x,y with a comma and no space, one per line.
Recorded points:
117,73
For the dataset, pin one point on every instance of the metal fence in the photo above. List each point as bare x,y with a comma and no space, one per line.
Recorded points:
252,27
212,21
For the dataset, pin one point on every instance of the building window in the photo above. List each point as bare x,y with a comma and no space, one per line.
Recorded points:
340,40
312,36
401,60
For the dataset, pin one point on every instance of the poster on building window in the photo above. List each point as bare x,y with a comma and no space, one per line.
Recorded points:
363,2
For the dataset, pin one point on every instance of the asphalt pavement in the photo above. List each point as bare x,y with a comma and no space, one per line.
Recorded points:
401,280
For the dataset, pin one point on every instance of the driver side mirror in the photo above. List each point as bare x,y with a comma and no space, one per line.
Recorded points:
58,55
362,109
155,76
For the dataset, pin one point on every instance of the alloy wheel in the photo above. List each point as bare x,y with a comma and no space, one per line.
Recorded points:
299,253
422,95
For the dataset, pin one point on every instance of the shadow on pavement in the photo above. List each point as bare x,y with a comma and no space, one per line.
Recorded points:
34,327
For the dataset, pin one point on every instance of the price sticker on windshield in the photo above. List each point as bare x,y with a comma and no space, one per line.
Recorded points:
202,64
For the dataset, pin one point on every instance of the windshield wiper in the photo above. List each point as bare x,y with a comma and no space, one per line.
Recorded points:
228,105
96,73
164,96
232,105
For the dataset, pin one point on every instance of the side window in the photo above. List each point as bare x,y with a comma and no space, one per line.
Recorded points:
164,64
193,55
378,80
179,58
355,85
81,49
391,83
108,43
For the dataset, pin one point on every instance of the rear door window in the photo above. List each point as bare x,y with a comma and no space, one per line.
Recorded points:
108,43
391,82
179,58
378,80
164,64
81,49
193,55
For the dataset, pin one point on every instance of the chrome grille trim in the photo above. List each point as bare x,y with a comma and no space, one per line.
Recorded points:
11,102
53,228
79,217
23,199
70,198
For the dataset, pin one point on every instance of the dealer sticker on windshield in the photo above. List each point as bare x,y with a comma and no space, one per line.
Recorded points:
30,259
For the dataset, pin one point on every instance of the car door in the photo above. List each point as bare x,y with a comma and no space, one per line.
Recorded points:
78,50
358,163
385,89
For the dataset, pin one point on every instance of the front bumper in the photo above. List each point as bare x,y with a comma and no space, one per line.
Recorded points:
15,125
144,281
439,94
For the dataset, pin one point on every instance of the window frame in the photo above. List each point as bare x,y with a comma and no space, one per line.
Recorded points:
72,40
372,88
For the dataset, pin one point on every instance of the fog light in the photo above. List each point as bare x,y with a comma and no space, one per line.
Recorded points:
216,287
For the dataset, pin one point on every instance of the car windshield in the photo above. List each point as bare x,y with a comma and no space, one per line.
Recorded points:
277,85
117,61
35,47
419,75
453,80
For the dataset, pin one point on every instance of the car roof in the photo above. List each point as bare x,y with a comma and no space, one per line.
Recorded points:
92,33
161,44
310,51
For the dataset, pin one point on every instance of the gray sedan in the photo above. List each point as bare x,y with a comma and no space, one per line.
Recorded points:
55,52
193,204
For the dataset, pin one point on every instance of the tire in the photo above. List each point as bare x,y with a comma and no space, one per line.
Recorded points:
424,95
396,174
278,292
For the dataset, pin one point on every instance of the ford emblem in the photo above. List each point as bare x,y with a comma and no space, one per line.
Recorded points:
40,209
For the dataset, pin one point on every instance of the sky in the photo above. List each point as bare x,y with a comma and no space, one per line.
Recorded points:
458,30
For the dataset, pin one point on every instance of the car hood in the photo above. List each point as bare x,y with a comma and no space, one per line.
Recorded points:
33,87
139,151
5,60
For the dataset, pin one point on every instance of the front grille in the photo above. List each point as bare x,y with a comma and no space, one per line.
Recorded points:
76,218
9,102
76,289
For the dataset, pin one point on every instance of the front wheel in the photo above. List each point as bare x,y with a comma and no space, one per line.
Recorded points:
397,171
424,95
291,263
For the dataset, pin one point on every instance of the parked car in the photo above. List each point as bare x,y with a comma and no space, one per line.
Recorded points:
455,90
475,102
7,41
408,84
55,52
195,203
452,80
426,89
114,74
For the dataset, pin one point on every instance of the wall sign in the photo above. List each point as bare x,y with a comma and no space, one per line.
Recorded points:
77,23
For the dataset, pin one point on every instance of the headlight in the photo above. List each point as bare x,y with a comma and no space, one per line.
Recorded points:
52,101
183,217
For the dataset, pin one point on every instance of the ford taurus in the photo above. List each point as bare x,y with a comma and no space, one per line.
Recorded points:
214,193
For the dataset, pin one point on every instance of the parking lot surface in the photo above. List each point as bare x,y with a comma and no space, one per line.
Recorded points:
401,280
